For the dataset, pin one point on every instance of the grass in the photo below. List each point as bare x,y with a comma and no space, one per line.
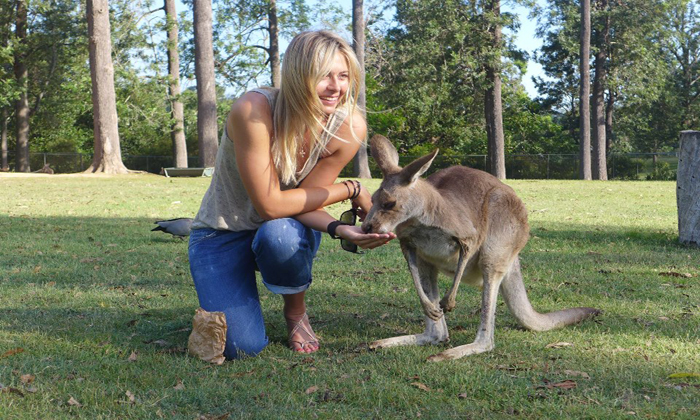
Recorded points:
95,311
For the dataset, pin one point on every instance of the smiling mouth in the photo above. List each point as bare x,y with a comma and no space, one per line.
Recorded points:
329,98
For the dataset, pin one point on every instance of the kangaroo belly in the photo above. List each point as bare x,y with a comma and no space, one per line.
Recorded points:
441,250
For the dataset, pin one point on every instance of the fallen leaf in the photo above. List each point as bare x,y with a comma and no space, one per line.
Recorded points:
37,269
133,357
558,345
463,396
675,274
179,385
311,390
12,352
421,386
131,397
27,379
567,384
73,402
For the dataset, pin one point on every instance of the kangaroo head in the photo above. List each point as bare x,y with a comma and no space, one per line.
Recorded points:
398,198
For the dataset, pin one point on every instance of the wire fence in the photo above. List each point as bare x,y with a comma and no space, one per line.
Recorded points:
628,166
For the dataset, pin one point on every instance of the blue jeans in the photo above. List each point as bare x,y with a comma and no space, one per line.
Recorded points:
223,265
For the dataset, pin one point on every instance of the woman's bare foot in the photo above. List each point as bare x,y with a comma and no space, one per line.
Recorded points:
301,337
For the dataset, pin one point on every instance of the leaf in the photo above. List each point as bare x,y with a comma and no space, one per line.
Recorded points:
675,274
131,397
421,386
463,396
27,379
133,357
12,352
558,345
73,402
311,390
567,384
179,385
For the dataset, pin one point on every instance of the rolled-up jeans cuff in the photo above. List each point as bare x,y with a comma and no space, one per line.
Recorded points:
285,290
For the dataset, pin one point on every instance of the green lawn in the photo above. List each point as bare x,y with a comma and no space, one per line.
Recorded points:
95,311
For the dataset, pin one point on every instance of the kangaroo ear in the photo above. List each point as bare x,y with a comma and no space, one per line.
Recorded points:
415,169
384,154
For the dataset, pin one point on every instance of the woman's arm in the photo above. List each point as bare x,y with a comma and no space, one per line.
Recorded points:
250,124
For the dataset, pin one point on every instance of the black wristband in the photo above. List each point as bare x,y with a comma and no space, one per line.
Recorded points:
332,226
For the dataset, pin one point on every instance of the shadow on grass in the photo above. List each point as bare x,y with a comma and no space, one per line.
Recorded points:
63,273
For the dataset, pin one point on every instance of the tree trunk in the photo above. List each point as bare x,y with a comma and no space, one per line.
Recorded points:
107,157
3,142
274,51
21,104
207,130
177,132
600,167
609,109
585,91
688,188
360,163
492,100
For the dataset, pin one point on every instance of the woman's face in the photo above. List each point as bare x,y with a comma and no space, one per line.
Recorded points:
334,85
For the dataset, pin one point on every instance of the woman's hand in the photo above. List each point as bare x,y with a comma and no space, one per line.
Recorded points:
363,203
356,235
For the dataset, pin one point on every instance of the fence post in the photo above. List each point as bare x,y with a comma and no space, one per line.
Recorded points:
688,188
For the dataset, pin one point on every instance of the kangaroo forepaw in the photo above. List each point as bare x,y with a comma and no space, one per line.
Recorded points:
432,311
447,304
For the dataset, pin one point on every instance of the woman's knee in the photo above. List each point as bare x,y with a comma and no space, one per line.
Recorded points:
282,239
242,347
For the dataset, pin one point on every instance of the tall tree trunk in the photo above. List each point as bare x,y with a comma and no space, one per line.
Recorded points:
585,91
3,141
207,130
492,100
609,109
274,51
22,104
360,163
600,167
107,157
177,110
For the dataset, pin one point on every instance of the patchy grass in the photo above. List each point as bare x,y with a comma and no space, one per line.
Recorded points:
95,311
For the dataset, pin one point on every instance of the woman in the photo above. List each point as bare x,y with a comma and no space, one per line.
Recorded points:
279,157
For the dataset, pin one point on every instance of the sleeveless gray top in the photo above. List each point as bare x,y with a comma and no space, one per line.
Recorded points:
226,205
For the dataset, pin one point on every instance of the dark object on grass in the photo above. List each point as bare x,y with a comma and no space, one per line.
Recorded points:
177,227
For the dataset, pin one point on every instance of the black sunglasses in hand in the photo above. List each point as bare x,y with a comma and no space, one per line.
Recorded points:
349,218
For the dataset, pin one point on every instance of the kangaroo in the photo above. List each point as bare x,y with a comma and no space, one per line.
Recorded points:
466,224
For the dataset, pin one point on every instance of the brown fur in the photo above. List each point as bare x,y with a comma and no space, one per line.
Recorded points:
466,224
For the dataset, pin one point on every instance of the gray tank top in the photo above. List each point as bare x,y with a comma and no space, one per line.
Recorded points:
226,205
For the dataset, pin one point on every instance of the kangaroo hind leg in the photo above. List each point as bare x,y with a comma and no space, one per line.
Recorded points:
435,329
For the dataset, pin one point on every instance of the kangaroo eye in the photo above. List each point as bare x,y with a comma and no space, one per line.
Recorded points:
388,205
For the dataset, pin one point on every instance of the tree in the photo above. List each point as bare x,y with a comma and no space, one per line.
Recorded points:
585,89
360,164
600,168
207,131
176,106
22,103
107,155
492,99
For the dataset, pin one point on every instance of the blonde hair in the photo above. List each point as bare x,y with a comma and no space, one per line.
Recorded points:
306,62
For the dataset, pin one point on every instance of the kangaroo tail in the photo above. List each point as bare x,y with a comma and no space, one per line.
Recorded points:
515,296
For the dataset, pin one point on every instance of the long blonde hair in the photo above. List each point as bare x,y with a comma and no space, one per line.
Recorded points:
307,60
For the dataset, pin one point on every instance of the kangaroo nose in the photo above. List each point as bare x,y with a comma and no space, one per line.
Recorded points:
367,227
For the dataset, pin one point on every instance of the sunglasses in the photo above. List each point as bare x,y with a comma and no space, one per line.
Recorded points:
349,218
